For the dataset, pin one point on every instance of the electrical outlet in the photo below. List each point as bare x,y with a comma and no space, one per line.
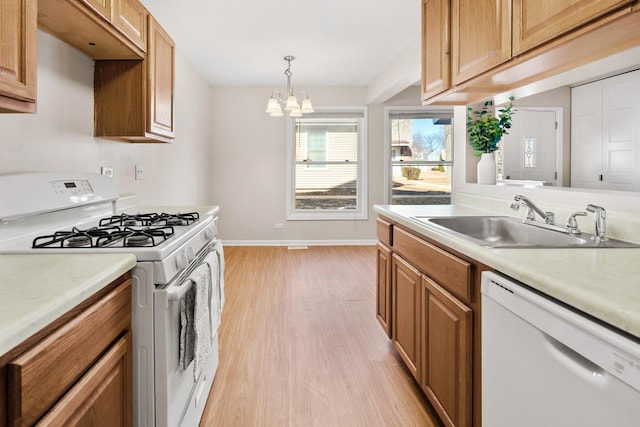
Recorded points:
279,225
139,172
106,171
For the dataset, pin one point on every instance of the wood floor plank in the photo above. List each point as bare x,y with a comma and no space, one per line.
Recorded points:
300,344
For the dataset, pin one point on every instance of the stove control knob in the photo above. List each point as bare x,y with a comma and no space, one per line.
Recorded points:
181,261
190,254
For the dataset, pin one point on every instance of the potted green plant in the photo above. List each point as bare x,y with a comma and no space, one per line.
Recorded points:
485,131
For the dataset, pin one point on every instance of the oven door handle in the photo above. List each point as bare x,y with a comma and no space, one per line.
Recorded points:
176,293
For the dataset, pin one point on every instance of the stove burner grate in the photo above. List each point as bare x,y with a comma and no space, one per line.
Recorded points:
106,236
76,238
149,219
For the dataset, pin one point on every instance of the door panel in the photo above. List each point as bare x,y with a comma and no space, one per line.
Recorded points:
529,150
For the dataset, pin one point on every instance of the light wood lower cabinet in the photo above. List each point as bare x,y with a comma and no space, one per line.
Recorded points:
78,370
435,320
447,347
405,313
383,304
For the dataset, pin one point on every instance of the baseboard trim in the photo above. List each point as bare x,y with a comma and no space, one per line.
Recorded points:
298,242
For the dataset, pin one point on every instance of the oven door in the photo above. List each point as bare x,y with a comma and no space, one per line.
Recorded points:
180,394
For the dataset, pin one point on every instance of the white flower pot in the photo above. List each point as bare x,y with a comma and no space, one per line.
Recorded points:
487,170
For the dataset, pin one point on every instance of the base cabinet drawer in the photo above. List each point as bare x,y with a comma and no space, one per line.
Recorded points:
443,267
102,397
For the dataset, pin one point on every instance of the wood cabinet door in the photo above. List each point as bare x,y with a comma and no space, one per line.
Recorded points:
102,397
436,61
161,78
101,7
405,323
383,288
537,21
18,32
130,17
480,36
447,354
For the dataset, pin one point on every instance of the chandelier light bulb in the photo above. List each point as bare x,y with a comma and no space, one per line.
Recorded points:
295,113
306,106
273,106
292,103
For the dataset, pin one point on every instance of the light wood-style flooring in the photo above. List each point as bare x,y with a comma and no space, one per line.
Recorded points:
300,344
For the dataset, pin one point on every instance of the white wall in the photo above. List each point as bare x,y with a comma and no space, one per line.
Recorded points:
250,168
60,136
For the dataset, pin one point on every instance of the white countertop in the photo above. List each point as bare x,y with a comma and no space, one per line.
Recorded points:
37,289
604,283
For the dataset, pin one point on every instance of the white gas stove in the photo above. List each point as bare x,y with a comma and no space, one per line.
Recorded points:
77,213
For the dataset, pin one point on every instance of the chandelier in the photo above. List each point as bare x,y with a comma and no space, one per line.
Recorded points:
291,104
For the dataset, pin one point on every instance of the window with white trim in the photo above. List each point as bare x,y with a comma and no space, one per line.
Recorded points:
420,152
327,165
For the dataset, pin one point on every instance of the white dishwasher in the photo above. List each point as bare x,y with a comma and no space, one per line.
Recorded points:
545,365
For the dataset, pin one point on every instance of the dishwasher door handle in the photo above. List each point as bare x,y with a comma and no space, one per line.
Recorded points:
576,362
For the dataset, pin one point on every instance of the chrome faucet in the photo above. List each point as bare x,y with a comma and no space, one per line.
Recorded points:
549,217
600,213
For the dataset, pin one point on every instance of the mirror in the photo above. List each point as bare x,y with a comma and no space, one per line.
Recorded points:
535,152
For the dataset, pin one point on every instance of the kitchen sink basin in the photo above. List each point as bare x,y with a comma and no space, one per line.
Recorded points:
509,232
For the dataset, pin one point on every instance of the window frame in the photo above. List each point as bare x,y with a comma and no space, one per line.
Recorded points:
362,211
387,170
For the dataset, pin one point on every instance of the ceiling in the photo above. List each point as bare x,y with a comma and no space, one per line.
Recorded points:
335,42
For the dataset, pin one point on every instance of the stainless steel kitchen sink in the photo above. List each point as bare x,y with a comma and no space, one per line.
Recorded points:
509,232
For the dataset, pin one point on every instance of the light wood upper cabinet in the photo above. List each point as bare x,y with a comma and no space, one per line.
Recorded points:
436,65
130,17
161,64
102,7
18,32
133,100
500,45
480,36
102,29
537,21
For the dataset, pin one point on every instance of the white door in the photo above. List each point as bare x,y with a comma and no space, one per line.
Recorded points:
529,150
605,140
586,136
620,142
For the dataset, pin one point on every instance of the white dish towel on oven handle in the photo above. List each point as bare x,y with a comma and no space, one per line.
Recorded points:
202,283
